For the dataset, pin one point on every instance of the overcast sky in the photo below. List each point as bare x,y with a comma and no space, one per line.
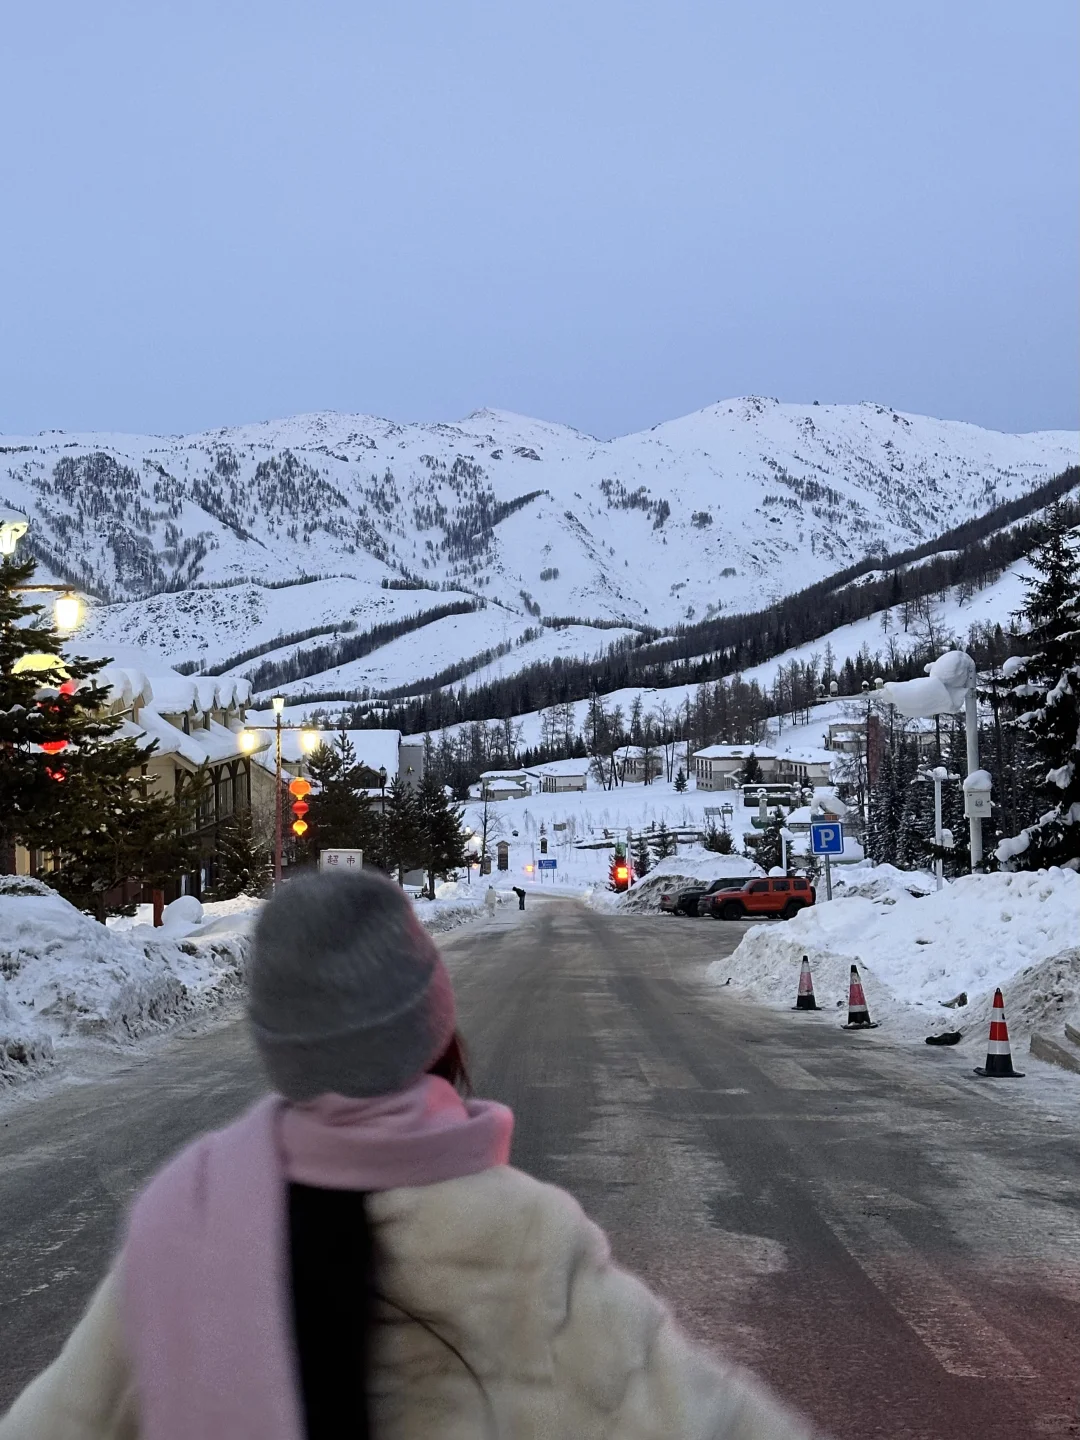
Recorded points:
601,212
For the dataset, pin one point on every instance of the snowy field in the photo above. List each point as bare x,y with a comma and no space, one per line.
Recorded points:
917,948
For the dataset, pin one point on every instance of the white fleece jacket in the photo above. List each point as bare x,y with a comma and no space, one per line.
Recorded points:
502,1316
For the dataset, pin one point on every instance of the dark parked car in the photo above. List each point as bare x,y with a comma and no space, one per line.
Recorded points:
685,899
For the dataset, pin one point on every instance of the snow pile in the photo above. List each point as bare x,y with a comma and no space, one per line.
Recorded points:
456,903
679,870
883,882
916,952
64,977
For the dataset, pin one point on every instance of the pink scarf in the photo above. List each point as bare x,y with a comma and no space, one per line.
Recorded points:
207,1306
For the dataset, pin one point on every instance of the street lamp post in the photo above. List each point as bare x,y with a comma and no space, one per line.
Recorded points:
382,814
67,608
278,703
248,742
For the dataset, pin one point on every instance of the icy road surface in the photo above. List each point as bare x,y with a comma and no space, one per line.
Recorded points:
892,1243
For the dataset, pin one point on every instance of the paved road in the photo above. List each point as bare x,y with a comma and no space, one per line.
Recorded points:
893,1244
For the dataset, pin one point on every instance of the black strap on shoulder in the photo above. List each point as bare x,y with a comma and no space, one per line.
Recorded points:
332,1289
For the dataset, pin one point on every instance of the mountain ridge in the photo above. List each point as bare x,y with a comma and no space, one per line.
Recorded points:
718,511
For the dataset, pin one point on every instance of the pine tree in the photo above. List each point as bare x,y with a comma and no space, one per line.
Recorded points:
915,843
664,842
887,802
751,772
401,838
43,700
770,847
241,865
718,841
1045,696
340,813
110,826
680,781
440,836
642,858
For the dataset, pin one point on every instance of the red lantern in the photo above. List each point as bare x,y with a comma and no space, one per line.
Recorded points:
58,774
299,787
53,747
69,687
300,809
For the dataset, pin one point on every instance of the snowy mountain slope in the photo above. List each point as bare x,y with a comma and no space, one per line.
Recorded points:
728,507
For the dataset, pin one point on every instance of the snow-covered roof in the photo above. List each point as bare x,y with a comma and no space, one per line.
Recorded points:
734,752
562,767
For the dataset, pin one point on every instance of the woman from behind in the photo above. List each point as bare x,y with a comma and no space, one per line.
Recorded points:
355,1256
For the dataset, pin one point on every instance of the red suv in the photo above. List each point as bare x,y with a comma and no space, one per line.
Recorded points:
779,898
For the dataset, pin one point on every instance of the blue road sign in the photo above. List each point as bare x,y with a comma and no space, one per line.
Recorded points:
548,862
827,837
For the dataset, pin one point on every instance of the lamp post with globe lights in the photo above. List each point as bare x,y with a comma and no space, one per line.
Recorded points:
249,742
67,607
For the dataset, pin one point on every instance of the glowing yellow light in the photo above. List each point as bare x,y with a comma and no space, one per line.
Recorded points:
37,660
67,612
248,741
528,869
278,704
310,740
299,827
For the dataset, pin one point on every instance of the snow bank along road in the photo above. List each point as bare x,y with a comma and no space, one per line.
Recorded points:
893,1243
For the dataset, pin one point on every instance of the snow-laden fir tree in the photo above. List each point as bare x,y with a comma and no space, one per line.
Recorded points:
770,848
680,781
1045,697
663,842
641,856
340,813
440,837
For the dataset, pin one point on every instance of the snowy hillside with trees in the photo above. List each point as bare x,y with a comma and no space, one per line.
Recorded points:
722,510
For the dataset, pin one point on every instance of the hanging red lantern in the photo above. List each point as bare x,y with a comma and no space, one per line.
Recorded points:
58,774
300,809
53,747
299,787
69,687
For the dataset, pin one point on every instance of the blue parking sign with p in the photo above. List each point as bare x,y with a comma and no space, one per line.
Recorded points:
827,838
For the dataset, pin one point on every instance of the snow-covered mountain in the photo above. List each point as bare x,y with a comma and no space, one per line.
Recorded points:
724,509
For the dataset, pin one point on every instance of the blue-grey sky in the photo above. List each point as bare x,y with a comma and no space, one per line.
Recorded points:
599,211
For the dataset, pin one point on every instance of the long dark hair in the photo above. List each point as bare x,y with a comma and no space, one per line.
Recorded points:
453,1065
335,1289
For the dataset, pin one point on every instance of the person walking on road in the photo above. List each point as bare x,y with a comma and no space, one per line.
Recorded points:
354,1257
491,899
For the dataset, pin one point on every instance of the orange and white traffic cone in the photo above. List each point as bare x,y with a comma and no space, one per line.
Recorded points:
858,1016
998,1055
805,1000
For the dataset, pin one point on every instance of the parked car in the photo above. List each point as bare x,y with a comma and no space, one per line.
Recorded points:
779,898
686,899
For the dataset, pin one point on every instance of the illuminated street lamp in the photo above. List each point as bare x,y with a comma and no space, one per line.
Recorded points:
67,612
249,741
67,608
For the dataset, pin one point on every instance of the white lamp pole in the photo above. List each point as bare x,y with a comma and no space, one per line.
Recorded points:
278,703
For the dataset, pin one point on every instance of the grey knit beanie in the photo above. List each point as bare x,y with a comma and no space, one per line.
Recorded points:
348,992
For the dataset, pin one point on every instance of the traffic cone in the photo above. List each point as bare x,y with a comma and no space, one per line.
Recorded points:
805,1000
998,1055
858,1016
